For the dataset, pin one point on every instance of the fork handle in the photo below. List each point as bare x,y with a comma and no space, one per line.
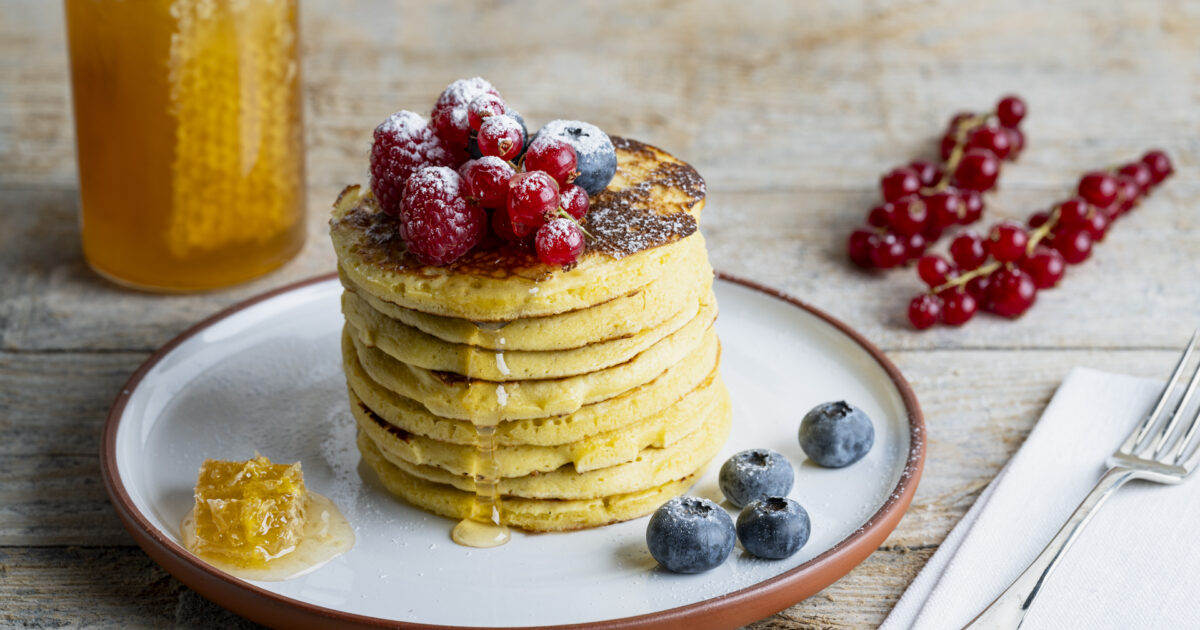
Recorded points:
1008,610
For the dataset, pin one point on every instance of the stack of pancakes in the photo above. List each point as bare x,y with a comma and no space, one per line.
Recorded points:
596,385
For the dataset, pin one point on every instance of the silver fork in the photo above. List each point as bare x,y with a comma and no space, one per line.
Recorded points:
1154,451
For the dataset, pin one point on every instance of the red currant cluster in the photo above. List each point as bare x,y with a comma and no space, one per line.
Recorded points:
422,173
923,199
1003,273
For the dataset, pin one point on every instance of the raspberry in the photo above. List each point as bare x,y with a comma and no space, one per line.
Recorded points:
450,113
438,223
559,242
404,143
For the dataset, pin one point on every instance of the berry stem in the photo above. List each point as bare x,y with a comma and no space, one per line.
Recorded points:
560,212
961,129
962,280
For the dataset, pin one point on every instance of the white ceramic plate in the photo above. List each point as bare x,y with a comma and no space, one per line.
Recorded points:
266,376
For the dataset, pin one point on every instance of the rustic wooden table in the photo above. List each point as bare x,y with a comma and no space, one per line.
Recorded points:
790,110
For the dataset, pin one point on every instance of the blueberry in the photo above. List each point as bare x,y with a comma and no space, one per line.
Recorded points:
473,145
596,158
775,527
836,434
690,535
755,474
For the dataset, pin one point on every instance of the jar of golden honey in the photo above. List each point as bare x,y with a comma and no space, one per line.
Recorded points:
190,138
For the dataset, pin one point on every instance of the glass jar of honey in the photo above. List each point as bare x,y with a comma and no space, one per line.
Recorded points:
190,138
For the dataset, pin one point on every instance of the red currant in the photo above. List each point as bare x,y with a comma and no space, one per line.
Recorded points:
958,306
859,247
500,136
899,183
944,208
1046,266
927,172
978,287
1073,212
1140,174
968,251
908,216
1074,244
1011,292
1159,165
924,311
934,270
1097,225
1016,140
888,251
532,197
994,139
978,170
881,215
1007,241
1038,219
914,245
1098,188
559,242
503,226
487,181
574,200
1128,192
947,146
1010,110
484,106
554,156
972,207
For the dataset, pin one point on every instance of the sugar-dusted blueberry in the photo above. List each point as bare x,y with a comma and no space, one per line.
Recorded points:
836,434
596,157
755,474
774,527
690,535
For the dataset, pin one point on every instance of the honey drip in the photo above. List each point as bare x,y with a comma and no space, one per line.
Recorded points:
325,536
485,527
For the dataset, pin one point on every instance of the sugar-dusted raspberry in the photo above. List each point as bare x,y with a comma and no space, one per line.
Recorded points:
450,113
404,143
559,242
438,223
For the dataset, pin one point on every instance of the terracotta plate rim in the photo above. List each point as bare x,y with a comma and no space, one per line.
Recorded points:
730,610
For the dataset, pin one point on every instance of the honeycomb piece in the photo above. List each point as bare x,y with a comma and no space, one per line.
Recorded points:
234,94
249,512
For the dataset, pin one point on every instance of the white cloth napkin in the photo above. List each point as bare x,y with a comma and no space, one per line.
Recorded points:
1136,565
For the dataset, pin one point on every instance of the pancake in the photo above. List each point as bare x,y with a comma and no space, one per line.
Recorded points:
605,416
652,467
529,514
624,316
593,452
416,348
452,396
640,225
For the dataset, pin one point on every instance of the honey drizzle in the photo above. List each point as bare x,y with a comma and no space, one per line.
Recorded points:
485,527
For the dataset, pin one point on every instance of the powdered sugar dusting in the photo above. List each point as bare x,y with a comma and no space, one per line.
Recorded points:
589,139
458,95
435,181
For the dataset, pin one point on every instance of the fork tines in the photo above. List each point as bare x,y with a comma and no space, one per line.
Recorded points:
1167,440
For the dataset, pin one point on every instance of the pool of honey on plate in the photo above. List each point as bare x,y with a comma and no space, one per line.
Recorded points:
189,138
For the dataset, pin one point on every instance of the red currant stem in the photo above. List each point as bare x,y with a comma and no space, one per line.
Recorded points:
1042,232
960,141
561,212
962,280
